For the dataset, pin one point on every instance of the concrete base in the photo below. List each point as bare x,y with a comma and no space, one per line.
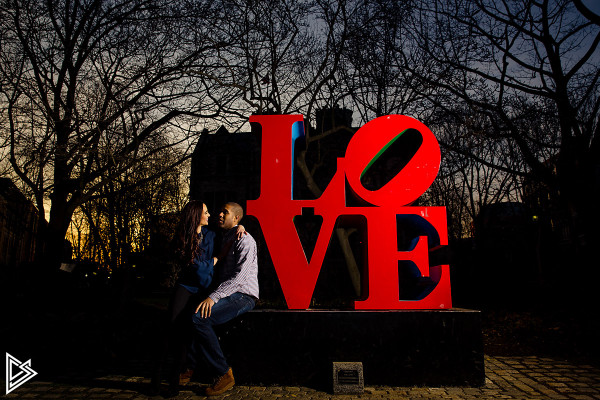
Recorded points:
396,348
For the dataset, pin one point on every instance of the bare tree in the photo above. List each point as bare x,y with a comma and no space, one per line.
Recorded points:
282,53
374,72
532,68
119,219
477,171
86,83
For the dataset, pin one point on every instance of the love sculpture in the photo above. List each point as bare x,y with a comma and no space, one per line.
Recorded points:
275,209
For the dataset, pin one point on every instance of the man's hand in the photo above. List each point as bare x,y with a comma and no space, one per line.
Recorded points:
205,307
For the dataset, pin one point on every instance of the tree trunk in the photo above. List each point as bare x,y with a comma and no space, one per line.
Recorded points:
54,239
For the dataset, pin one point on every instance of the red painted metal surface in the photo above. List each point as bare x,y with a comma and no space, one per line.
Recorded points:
276,209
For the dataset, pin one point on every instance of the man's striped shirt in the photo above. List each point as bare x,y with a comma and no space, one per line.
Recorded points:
239,272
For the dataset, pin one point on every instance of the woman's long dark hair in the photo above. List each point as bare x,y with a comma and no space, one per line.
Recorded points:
186,239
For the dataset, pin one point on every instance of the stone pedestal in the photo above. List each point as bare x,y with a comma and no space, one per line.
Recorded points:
396,348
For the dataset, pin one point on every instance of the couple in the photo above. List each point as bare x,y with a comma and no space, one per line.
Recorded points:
203,301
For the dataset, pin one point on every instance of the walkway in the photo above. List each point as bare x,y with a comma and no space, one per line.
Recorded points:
507,378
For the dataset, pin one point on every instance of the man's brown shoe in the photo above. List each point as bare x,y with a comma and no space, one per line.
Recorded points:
222,384
185,377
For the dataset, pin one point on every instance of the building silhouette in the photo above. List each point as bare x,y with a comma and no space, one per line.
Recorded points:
19,224
225,167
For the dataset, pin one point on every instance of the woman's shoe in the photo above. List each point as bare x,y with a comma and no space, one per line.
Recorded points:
186,377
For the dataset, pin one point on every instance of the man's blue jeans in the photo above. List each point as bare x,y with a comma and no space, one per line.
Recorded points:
206,341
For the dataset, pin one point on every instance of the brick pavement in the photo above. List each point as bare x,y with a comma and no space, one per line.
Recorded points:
506,378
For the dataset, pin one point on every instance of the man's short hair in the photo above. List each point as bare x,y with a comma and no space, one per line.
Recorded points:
237,210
